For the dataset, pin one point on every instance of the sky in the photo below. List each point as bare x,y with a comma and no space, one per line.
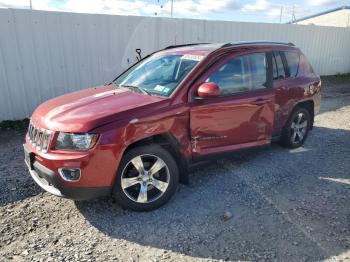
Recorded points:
229,10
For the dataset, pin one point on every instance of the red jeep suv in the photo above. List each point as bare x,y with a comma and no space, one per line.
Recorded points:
134,138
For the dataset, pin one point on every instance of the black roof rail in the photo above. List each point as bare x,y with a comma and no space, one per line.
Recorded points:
258,42
184,45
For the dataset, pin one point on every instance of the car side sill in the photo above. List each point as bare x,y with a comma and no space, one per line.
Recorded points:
214,156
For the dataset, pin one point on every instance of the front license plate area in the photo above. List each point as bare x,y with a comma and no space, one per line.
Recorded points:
29,158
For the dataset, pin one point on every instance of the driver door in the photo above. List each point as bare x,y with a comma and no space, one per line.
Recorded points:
243,114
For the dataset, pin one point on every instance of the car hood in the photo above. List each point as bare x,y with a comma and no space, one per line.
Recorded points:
87,109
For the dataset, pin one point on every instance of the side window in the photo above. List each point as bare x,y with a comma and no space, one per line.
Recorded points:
278,68
293,62
232,77
241,74
258,66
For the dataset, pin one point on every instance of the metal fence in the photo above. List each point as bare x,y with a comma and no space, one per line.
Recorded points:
46,54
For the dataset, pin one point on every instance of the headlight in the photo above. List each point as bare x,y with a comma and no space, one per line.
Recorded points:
76,141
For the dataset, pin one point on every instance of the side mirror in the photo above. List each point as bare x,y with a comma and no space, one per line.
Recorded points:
208,90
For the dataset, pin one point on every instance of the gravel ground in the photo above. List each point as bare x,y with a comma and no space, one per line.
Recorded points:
286,205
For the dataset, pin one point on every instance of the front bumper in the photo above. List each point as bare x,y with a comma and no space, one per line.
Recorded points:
52,183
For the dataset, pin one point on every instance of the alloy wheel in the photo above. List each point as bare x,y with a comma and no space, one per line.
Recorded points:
145,178
298,128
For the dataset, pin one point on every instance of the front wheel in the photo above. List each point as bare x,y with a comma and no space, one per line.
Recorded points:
296,129
146,179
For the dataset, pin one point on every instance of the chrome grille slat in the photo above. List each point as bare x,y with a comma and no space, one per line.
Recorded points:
34,135
39,138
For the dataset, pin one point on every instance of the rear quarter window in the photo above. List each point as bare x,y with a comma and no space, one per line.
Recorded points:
293,60
305,69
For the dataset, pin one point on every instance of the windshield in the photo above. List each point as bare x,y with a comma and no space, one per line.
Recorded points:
158,74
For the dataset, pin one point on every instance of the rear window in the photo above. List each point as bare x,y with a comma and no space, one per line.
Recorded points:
293,62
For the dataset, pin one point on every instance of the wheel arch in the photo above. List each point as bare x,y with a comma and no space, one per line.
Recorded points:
309,105
172,145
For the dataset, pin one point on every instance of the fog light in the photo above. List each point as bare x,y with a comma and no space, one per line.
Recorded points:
70,174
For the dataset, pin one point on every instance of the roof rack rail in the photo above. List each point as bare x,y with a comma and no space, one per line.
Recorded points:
258,42
184,45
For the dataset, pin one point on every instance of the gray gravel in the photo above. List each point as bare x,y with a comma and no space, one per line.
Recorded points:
273,204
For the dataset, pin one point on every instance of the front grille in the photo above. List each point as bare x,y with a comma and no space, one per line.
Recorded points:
39,137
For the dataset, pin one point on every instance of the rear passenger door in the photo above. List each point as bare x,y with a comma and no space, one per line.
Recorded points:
281,86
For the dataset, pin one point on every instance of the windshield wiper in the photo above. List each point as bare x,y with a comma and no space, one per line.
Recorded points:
138,89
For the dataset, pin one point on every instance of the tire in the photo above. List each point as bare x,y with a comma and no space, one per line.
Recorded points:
139,188
296,130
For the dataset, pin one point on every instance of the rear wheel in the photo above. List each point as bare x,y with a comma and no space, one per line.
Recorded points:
146,179
296,129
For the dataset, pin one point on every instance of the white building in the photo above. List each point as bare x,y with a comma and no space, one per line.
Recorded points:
339,17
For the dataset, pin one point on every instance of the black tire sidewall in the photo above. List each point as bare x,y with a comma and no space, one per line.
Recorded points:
286,136
155,150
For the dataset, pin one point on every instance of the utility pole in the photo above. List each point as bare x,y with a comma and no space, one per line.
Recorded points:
172,8
30,4
293,14
281,14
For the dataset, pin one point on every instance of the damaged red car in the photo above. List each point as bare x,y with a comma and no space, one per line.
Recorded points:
134,139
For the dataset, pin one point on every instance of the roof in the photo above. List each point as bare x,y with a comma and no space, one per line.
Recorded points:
322,13
204,49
